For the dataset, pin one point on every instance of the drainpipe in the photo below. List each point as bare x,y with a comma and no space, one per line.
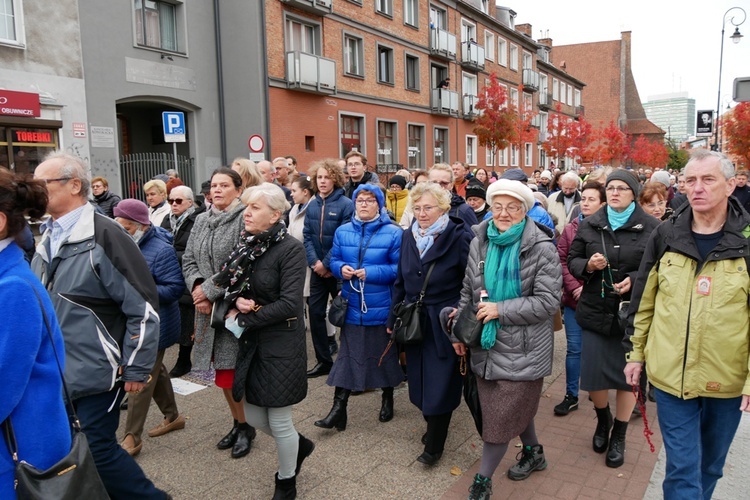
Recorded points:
220,81
264,75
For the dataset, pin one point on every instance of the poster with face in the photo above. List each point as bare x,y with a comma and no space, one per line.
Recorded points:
704,123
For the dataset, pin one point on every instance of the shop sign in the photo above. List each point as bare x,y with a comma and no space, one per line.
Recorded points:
14,103
32,136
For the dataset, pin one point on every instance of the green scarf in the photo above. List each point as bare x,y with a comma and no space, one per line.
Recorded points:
502,275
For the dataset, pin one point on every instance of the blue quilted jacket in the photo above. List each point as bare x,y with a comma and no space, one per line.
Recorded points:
324,216
379,243
156,247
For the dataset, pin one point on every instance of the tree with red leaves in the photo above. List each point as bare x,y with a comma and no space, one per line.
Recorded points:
525,131
612,145
582,137
736,128
648,153
559,137
495,126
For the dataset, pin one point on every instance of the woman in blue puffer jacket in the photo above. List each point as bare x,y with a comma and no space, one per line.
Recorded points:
156,246
365,257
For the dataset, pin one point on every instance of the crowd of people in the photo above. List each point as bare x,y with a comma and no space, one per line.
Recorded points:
649,271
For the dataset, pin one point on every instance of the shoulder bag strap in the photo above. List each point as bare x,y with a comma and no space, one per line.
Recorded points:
424,286
363,250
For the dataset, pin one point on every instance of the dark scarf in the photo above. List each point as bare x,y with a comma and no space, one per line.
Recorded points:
238,268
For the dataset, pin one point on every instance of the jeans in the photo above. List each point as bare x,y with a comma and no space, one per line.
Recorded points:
124,479
277,423
320,290
697,434
573,354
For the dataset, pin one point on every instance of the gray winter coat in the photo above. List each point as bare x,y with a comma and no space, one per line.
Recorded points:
212,239
524,346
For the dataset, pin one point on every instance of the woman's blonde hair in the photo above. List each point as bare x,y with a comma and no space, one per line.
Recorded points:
158,184
248,172
442,196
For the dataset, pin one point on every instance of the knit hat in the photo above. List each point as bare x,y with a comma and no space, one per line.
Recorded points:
397,179
546,174
475,189
661,176
134,210
627,177
516,189
515,174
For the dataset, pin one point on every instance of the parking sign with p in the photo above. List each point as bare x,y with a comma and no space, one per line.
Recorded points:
174,126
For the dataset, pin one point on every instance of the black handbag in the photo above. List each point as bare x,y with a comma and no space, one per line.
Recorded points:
73,477
337,311
219,311
471,394
467,328
407,329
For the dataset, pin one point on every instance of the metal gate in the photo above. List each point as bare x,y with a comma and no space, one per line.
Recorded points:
138,168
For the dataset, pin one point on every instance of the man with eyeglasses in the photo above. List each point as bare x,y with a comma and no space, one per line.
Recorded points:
356,166
442,174
107,305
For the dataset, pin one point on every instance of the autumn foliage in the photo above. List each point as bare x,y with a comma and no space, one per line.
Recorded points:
496,126
648,153
736,128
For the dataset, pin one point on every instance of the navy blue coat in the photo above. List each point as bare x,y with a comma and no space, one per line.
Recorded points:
382,240
156,247
335,211
462,210
432,367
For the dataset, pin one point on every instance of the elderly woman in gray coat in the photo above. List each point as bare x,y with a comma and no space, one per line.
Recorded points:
512,284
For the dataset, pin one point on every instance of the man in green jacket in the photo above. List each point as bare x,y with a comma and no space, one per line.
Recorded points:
690,324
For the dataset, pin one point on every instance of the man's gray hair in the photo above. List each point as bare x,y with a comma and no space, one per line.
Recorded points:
73,167
172,171
571,176
185,191
724,163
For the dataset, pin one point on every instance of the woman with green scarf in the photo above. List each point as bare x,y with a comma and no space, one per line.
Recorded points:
513,281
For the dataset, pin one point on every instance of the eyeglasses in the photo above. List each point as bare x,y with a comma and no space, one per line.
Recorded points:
59,179
444,184
355,164
619,189
366,201
510,209
660,204
175,200
426,209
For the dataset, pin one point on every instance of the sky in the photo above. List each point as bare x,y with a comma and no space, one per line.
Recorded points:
675,44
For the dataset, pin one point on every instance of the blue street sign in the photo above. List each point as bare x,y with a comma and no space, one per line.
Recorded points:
174,126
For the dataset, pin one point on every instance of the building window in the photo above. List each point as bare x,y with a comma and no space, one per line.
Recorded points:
302,36
156,24
514,97
543,126
527,154
23,149
468,31
416,147
576,97
411,12
385,65
351,134
309,143
485,6
384,7
354,54
441,145
502,159
387,143
563,93
543,86
555,91
488,159
502,52
471,150
469,89
412,72
489,45
513,155
513,57
11,23
527,60
438,18
570,94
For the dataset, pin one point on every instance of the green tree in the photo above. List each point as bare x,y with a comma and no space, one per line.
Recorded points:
678,158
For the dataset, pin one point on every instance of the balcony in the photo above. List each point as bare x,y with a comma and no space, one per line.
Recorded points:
545,100
319,7
472,56
469,107
310,73
442,43
580,110
530,80
444,102
536,121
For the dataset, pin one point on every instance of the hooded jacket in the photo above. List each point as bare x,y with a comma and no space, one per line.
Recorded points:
694,338
374,246
524,345
107,201
106,303
324,216
462,210
161,258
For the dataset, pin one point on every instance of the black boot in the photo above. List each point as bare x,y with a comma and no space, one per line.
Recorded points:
286,489
231,438
603,426
337,416
437,433
616,452
306,448
245,436
183,364
386,407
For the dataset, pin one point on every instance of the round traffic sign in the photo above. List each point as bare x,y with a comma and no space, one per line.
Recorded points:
255,143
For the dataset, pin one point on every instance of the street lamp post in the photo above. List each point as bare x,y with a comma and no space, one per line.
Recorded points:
736,36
